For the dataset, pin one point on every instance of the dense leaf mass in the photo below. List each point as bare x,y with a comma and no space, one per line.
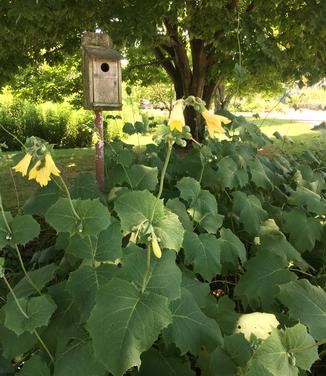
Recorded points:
239,288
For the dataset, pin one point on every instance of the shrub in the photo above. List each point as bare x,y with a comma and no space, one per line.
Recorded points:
60,124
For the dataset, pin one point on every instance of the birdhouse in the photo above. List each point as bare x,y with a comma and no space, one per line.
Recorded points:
101,73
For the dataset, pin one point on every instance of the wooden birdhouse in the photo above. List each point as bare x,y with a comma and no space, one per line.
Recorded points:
101,73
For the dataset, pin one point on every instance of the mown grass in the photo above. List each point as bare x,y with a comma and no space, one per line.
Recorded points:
73,161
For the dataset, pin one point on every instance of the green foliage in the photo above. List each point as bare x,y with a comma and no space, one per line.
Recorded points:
59,124
237,230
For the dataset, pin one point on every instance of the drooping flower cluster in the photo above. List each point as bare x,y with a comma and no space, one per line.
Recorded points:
213,121
44,165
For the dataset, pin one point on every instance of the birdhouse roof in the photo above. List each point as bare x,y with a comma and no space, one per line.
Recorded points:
103,53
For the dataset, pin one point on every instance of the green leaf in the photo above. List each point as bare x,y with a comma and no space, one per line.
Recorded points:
307,304
250,211
39,311
274,241
40,277
139,210
155,363
5,235
24,229
125,321
258,174
309,199
41,199
191,328
202,205
259,285
164,277
226,316
94,217
203,252
78,360
35,366
199,290
177,207
283,351
230,175
84,186
232,251
189,189
13,345
303,231
104,247
142,177
83,284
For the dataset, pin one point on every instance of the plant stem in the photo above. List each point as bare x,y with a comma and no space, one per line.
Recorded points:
27,317
15,188
4,216
148,267
165,166
44,346
15,298
25,271
13,136
17,250
69,198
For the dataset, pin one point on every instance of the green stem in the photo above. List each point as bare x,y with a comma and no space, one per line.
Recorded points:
15,298
17,250
148,267
69,198
13,136
25,271
165,166
15,188
4,216
44,346
202,173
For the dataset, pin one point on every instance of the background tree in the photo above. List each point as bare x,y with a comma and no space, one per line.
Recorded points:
197,42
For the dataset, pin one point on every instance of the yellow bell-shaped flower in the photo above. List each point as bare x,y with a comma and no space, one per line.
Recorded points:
214,122
23,165
156,247
177,120
41,175
50,165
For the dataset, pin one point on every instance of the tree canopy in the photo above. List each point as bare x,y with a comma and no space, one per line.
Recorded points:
201,44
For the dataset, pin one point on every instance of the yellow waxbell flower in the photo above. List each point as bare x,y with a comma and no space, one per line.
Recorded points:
177,120
41,175
23,165
156,248
214,122
50,165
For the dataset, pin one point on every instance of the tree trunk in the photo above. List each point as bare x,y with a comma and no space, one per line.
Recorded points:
187,79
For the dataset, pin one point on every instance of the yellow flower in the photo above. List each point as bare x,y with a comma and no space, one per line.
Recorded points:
156,248
23,165
50,165
214,122
95,138
43,175
177,120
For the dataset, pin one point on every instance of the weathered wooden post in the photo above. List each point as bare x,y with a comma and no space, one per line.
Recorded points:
102,86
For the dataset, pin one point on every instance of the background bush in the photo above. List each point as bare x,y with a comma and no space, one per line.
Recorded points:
59,123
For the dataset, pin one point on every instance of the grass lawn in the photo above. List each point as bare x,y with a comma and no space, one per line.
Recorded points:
73,161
